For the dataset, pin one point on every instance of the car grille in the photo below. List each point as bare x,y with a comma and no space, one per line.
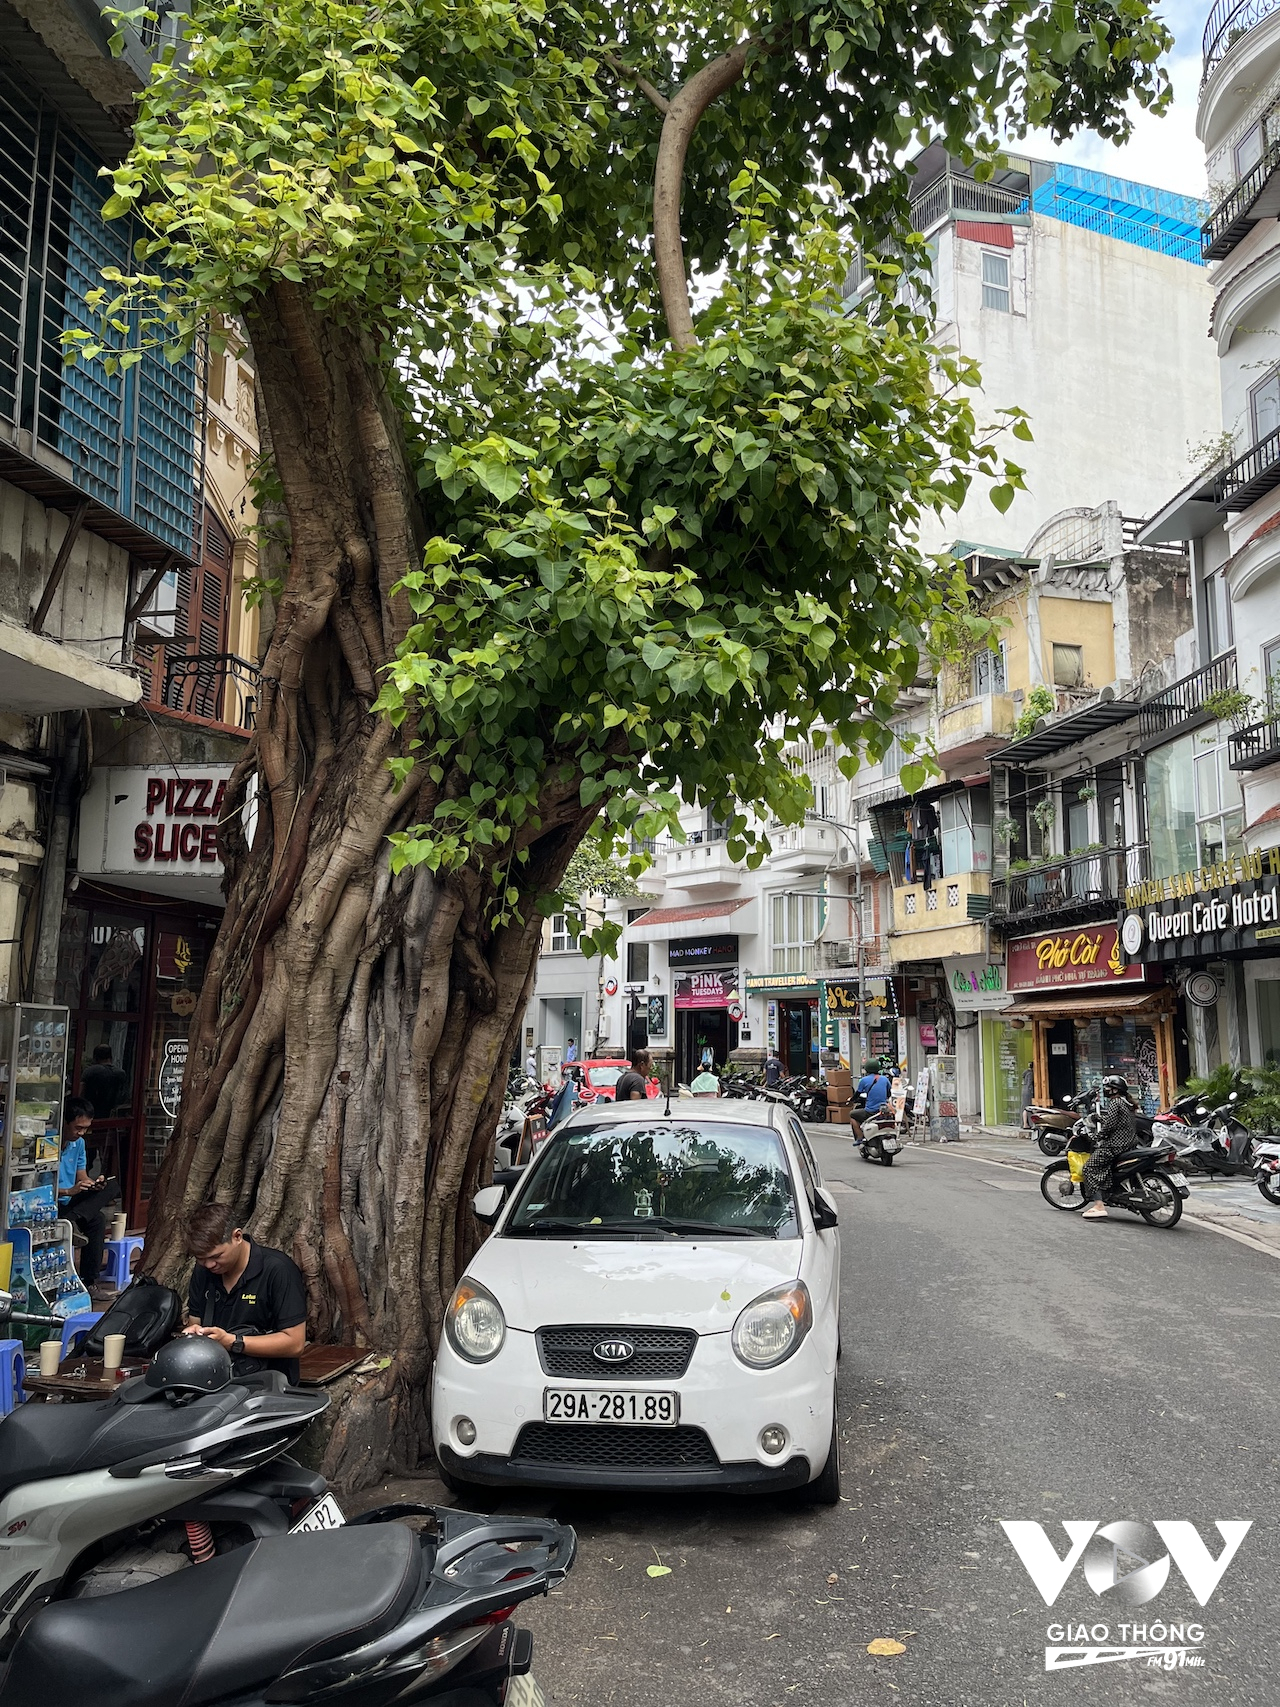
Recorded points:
607,1446
661,1354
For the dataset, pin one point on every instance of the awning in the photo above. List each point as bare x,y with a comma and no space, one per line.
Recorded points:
1067,731
660,924
39,676
1085,1004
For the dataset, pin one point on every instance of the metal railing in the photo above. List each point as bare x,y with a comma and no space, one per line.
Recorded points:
1229,21
216,687
1250,475
953,193
1255,745
1229,221
1073,883
1132,526
1184,700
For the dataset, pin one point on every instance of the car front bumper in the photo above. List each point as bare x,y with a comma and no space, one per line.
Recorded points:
489,1469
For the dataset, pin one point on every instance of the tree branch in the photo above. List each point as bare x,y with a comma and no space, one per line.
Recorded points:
681,120
642,83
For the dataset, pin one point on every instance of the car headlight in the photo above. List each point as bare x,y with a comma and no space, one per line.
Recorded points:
772,1327
474,1322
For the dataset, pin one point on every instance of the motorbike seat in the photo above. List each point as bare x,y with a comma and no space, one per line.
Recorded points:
40,1441
223,1628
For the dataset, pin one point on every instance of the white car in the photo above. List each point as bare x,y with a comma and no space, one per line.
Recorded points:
657,1308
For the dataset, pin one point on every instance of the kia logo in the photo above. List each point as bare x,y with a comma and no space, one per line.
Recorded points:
614,1351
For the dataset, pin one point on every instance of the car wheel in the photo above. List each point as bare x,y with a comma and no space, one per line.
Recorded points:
826,1489
457,1487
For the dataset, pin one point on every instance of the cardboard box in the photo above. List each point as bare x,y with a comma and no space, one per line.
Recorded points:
837,1114
840,1096
839,1076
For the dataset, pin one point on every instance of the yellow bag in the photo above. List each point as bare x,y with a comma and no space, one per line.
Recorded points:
1076,1160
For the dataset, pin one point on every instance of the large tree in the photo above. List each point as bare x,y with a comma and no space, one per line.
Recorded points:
594,492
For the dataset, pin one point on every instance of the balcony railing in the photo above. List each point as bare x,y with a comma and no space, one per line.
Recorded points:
1184,700
951,193
1250,476
216,687
1229,21
1076,883
1256,745
1255,197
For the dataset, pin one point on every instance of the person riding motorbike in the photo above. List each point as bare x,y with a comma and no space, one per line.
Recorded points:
1117,1133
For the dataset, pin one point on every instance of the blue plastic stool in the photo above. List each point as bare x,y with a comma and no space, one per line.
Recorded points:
74,1326
13,1366
117,1252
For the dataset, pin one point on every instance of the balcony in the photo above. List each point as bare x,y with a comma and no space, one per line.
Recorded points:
840,954
1256,745
702,864
1183,702
1250,476
945,918
1066,888
1229,21
975,728
810,847
214,688
1255,197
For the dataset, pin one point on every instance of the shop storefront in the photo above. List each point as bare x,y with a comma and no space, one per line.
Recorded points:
839,1018
1215,929
793,1019
138,925
1091,1011
995,1055
708,1007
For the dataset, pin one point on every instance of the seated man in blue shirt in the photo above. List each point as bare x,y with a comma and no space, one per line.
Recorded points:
81,1200
874,1087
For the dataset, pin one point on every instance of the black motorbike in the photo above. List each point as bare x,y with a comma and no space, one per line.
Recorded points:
1146,1181
1219,1144
376,1612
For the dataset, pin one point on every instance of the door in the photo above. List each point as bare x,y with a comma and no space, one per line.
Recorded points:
820,1266
1062,1071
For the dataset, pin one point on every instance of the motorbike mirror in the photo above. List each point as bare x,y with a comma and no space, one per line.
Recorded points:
487,1204
1233,1096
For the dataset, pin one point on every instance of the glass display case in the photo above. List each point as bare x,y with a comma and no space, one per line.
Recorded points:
33,1070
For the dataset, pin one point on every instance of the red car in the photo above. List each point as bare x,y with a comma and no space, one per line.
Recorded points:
598,1078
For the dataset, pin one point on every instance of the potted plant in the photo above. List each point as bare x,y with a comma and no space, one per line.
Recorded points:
1232,705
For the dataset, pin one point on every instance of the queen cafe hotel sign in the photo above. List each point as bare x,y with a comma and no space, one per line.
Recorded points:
1228,907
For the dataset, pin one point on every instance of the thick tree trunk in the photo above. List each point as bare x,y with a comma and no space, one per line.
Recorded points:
349,1051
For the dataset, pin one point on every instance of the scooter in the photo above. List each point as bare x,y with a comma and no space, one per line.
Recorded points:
1145,1181
101,1496
1051,1127
1266,1156
880,1141
370,1614
1220,1144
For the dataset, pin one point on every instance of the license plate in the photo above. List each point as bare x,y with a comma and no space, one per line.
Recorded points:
1178,1179
610,1405
326,1513
892,1146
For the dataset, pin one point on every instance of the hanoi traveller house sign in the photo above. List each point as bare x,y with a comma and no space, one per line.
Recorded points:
1056,960
1226,907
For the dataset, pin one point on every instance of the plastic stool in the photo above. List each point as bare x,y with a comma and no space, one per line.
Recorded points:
74,1326
13,1366
117,1252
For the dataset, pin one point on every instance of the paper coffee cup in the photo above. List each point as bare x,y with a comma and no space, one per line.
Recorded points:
113,1351
119,1226
50,1356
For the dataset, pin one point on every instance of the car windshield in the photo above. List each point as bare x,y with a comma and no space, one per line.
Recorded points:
673,1178
604,1077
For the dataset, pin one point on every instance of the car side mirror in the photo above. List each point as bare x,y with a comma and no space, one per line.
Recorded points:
509,1177
487,1204
824,1211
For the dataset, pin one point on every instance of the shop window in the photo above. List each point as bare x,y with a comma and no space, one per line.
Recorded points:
563,940
637,962
1068,666
990,672
795,921
995,281
1267,1001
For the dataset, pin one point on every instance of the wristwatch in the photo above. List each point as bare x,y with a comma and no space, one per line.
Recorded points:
237,1346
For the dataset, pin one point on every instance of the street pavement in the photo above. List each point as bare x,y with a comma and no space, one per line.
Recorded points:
1002,1360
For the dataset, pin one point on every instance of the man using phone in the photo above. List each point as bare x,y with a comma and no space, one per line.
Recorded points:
247,1296
81,1200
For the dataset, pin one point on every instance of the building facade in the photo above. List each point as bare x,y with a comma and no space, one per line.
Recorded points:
128,654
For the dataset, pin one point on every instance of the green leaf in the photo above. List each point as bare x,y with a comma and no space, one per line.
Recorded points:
1002,496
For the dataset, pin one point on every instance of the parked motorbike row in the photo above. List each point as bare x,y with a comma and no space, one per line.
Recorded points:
1208,1142
161,1546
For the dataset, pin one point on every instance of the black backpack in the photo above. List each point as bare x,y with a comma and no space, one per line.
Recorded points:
146,1313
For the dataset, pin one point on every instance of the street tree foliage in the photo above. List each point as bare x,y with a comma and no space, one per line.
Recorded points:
597,492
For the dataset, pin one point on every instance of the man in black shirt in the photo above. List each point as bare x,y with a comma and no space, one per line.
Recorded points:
248,1297
633,1085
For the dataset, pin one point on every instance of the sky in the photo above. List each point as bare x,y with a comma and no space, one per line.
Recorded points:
1162,151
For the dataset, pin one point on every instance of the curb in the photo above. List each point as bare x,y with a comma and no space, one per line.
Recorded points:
1196,1219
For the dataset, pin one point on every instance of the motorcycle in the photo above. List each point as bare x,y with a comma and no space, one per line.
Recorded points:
1220,1144
1145,1181
1051,1127
880,1141
1267,1177
368,1614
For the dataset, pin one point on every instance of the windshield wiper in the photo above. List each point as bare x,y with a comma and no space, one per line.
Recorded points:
567,1224
717,1228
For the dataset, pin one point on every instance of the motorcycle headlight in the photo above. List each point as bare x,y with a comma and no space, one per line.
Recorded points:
474,1322
773,1326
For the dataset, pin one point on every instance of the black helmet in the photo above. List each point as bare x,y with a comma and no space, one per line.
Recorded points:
189,1365
1114,1086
